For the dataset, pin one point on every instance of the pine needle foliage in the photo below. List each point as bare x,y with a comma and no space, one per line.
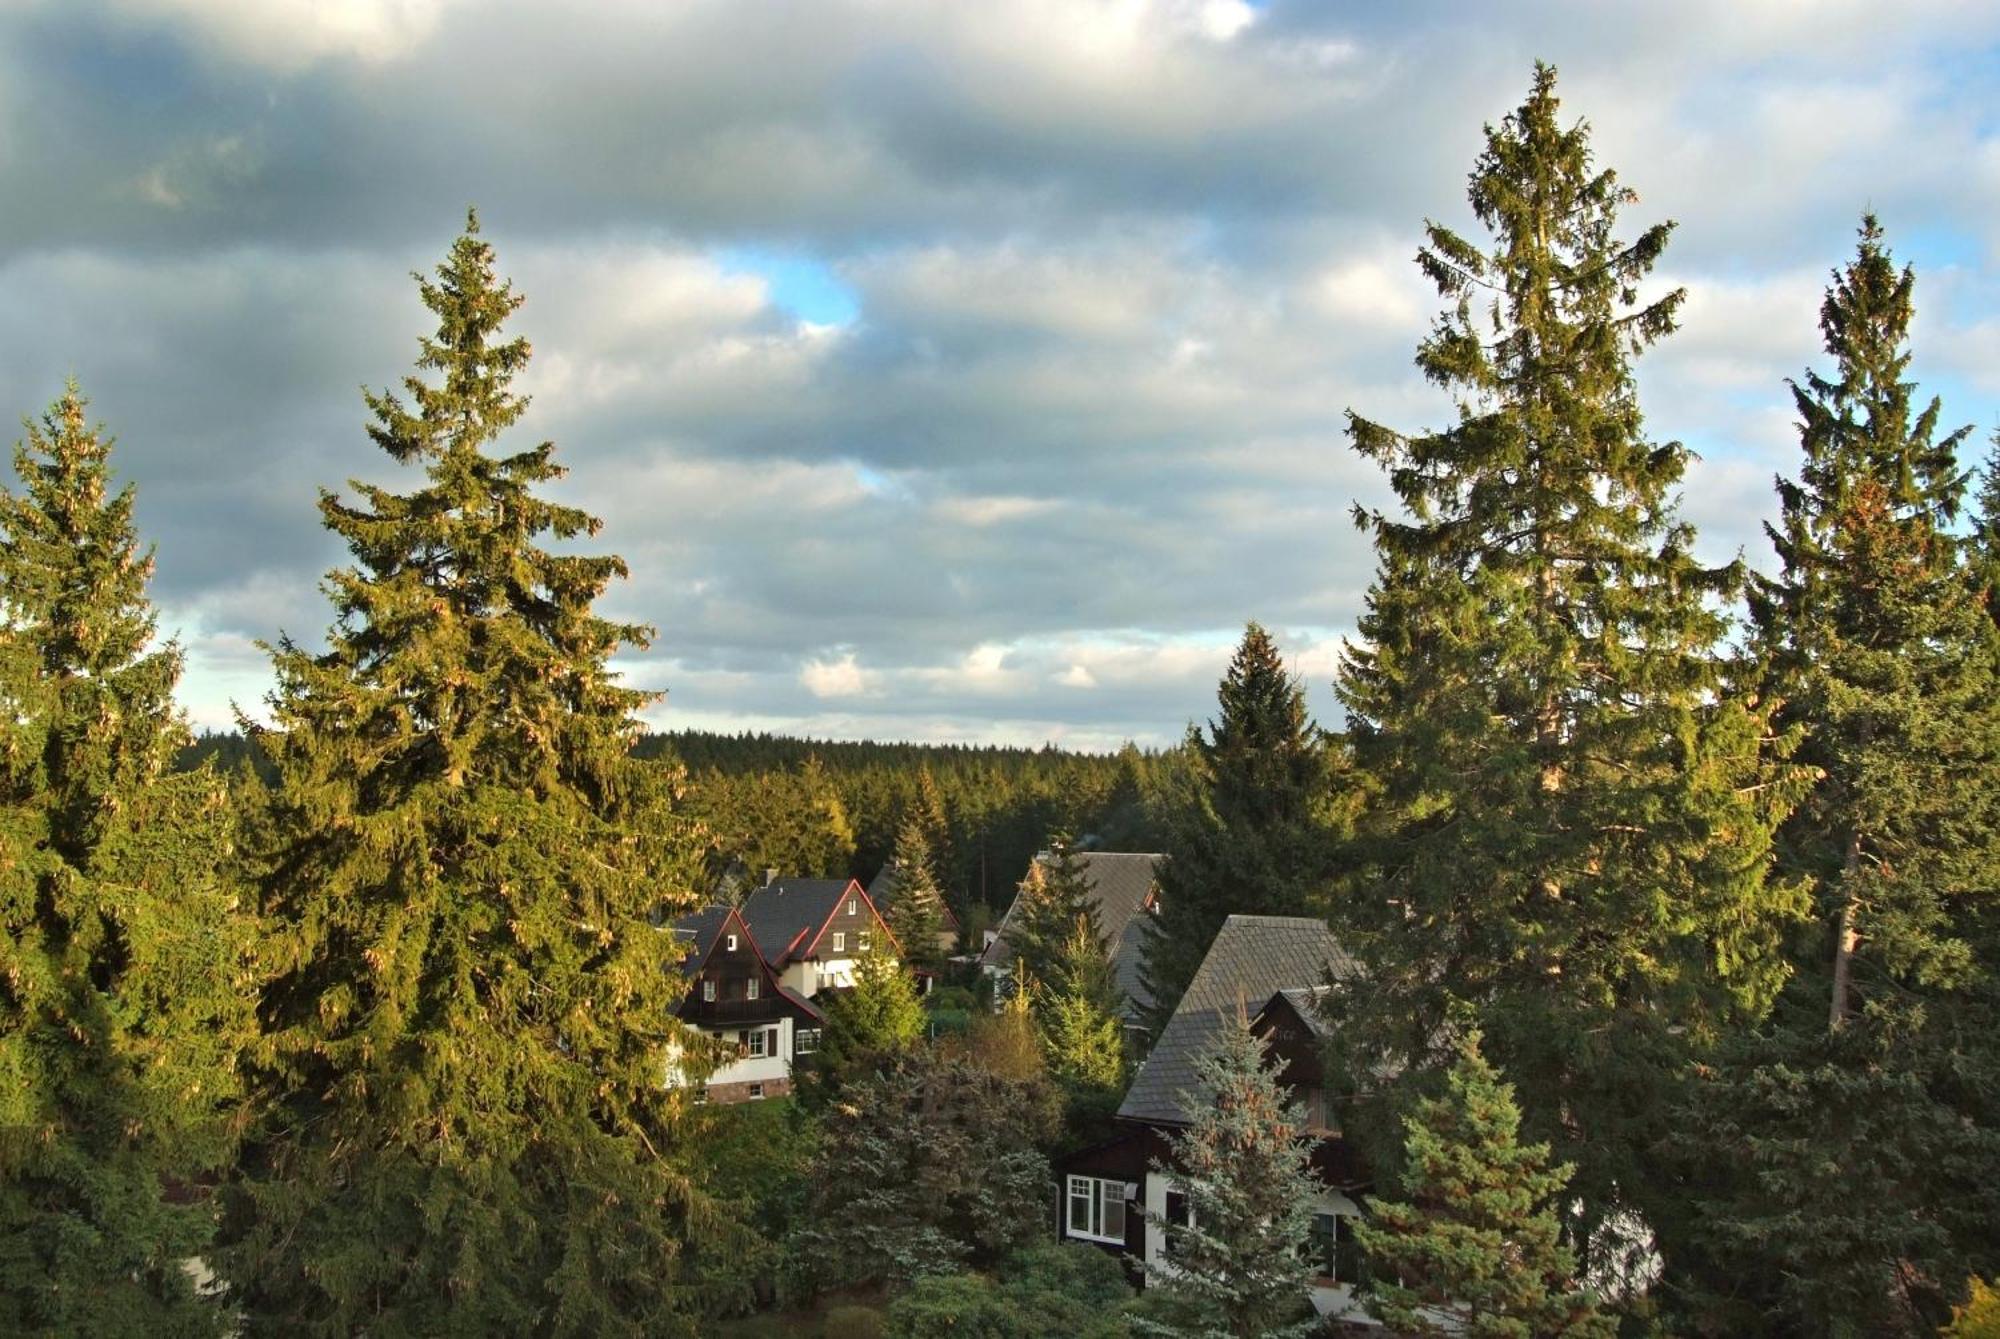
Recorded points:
124,951
1880,1068
1256,835
1054,896
472,1006
1570,810
916,907
1475,1247
1239,1266
1077,1012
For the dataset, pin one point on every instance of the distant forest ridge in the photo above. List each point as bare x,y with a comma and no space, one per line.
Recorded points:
831,808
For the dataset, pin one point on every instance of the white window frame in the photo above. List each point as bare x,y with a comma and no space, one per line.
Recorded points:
708,990
805,1040
861,941
1094,1197
732,943
754,1044
756,1092
839,942
854,906
751,988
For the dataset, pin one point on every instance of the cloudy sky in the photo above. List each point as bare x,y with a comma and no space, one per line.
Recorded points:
944,370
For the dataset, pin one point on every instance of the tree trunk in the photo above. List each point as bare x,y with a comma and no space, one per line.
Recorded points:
1845,936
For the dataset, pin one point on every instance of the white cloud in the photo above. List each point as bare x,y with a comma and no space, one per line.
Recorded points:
834,678
287,35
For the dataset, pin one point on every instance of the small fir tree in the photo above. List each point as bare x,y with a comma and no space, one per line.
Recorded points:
1240,1265
1475,1249
878,1018
1054,896
1254,834
916,906
1077,1013
473,1007
124,953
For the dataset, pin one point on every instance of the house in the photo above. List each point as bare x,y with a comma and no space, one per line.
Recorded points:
812,930
1127,893
882,892
1273,969
734,997
754,972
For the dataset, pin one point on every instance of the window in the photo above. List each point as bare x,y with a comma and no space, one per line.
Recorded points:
732,943
853,906
839,942
1096,1209
753,1044
1177,1215
701,1094
708,989
1335,1253
751,987
756,1092
806,1040
861,941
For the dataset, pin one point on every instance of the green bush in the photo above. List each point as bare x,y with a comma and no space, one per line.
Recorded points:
853,1322
955,1306
951,999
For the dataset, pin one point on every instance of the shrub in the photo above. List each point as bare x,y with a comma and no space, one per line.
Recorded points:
955,1306
1979,1318
853,1322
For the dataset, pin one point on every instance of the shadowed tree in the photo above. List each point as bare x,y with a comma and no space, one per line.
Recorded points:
1570,810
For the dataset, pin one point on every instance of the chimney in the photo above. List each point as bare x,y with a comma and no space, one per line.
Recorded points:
770,875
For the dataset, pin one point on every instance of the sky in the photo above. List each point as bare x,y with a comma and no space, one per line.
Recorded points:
944,371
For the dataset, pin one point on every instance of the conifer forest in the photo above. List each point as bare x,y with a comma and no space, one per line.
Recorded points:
1606,941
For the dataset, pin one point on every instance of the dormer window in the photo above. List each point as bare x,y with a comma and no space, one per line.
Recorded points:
839,942
732,943
708,990
753,985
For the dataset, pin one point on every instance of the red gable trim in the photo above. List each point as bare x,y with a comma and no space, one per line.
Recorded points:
735,918
853,888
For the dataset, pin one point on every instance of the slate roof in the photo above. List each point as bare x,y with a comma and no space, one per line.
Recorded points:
1305,1003
783,910
698,929
1122,881
1252,958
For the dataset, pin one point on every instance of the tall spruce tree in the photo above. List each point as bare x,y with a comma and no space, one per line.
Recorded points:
1880,1069
472,1007
1238,1265
1077,1012
124,951
1253,837
1476,1247
916,907
1570,814
1986,529
1054,897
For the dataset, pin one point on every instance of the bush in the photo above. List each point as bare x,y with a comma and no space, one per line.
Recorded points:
953,999
853,1322
955,1306
1979,1318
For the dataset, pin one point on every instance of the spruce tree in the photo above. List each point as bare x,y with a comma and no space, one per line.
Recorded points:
1053,897
124,952
472,1011
1253,837
1875,636
1986,530
1077,1010
1475,1247
916,907
1239,1265
1570,811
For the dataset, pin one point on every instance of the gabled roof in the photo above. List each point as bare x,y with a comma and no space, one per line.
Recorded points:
1305,1003
1123,882
1252,958
785,916
882,892
698,930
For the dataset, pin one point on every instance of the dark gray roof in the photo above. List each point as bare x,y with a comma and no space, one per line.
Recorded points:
1305,1003
1252,958
698,929
1121,880
784,909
